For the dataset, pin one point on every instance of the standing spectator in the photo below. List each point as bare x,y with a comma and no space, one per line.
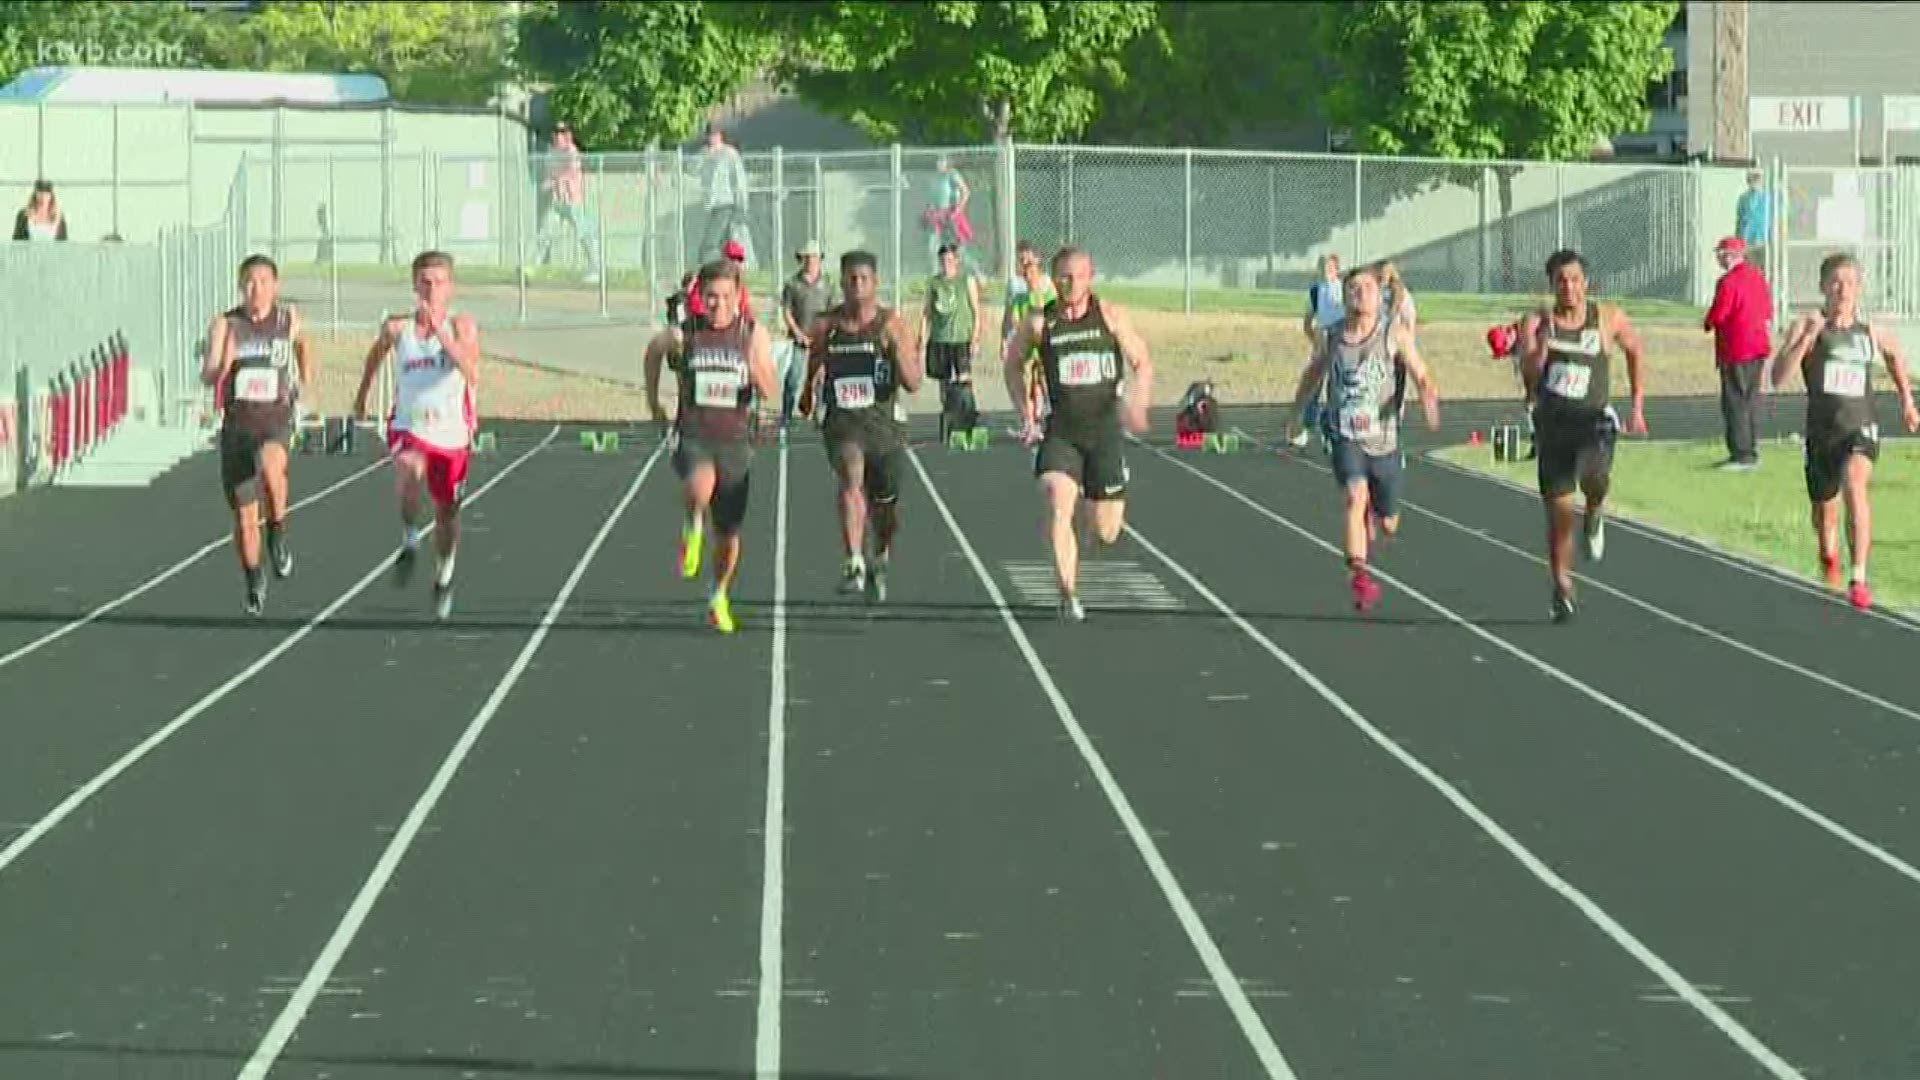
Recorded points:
953,326
946,218
1753,216
41,219
1740,320
723,176
1396,300
565,192
1326,301
802,299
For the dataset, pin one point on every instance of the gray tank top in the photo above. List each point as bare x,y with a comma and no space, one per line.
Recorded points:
1363,389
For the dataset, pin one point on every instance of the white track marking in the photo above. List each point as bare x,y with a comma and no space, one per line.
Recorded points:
163,576
1224,979
87,791
773,894
1704,550
1753,783
1682,987
1654,609
303,996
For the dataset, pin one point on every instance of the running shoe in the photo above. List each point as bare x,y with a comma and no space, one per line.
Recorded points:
277,550
442,600
256,591
1562,606
1593,536
1860,596
1830,566
1070,609
690,542
720,612
1366,591
877,582
853,576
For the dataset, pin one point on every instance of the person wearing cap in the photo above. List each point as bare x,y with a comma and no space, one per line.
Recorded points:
736,253
723,179
802,298
1741,321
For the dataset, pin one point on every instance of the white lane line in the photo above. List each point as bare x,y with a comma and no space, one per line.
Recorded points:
1653,609
163,576
108,775
302,999
1752,783
1683,988
773,894
1224,978
1703,549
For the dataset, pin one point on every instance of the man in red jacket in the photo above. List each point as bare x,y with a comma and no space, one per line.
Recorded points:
1741,321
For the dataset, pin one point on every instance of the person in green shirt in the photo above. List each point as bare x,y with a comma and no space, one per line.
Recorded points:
1030,291
953,322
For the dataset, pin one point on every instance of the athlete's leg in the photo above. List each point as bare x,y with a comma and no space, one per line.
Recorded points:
1105,492
850,470
1558,468
1384,474
1062,494
731,487
446,479
410,486
1595,462
1823,466
694,465
273,483
1858,475
240,480
882,490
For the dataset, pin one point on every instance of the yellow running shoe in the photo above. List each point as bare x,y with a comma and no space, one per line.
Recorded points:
720,613
690,539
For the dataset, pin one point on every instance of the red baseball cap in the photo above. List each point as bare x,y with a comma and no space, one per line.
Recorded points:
734,251
1732,244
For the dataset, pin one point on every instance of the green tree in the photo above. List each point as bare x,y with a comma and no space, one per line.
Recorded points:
56,33
958,70
629,74
1208,72
443,54
1492,79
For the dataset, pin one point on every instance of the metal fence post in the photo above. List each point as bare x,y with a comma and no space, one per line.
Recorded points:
333,249
780,246
897,182
1359,254
1559,206
650,239
679,210
597,258
1186,229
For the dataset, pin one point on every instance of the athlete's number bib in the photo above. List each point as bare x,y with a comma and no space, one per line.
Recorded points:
716,389
853,392
259,385
424,416
1569,380
1080,370
1356,422
1845,380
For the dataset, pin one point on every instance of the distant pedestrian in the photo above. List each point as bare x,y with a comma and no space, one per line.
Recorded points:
723,179
1741,323
564,193
41,218
1753,216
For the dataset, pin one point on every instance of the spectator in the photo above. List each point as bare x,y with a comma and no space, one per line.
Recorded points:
1753,217
1740,320
1396,300
565,191
724,178
805,295
736,253
41,219
1326,303
945,217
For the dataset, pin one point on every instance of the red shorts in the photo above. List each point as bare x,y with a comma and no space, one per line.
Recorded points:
446,469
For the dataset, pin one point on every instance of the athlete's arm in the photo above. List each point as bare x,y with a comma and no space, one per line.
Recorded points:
1792,351
1896,362
816,362
302,354
664,344
979,314
1422,377
906,354
1014,364
760,367
376,356
213,367
1623,332
460,336
1133,350
1533,355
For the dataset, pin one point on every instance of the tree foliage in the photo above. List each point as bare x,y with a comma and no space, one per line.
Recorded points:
56,33
958,70
443,53
1493,78
629,74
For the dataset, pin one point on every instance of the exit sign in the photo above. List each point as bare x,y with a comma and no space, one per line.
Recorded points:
1800,114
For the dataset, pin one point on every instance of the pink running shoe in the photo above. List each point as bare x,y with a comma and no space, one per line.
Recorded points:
1860,596
1366,592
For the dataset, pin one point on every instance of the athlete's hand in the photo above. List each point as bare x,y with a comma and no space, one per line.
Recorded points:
804,403
360,407
1134,419
1431,406
1637,421
1910,415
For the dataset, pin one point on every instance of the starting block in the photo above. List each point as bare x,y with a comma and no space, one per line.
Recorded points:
973,439
484,442
1221,442
338,432
600,442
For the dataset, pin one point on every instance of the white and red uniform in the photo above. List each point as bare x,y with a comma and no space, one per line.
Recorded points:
433,411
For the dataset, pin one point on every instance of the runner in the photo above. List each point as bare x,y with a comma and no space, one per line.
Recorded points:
1363,361
1834,349
249,347
1567,371
863,356
1098,379
720,361
953,323
436,369
1030,291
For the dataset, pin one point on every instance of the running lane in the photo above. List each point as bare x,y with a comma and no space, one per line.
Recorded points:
66,551
1377,931
164,924
961,900
1782,922
585,899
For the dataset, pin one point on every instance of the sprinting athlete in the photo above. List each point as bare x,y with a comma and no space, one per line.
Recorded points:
1834,350
257,355
721,360
1567,371
863,355
429,435
1363,360
1089,354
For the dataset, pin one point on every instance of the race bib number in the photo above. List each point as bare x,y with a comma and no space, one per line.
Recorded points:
1356,423
1569,380
853,393
257,385
716,389
426,416
1845,380
1082,369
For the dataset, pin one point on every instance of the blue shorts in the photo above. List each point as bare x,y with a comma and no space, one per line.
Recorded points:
1382,473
